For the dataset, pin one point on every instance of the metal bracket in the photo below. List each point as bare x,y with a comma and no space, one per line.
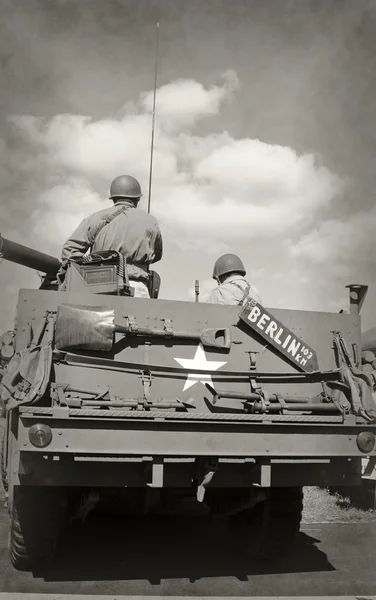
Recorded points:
167,328
131,324
146,379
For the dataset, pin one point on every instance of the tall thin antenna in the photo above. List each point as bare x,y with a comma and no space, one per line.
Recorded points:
153,123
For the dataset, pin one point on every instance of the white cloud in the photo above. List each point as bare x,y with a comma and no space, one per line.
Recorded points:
207,189
182,103
339,241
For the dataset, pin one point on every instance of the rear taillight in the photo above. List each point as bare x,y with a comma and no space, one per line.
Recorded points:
40,435
365,441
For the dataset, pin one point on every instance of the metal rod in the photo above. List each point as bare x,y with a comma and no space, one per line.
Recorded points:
117,365
276,406
153,117
254,397
197,290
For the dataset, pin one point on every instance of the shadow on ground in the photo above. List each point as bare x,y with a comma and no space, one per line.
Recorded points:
166,548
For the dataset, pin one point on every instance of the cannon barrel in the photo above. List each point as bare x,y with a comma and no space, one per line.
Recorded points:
28,257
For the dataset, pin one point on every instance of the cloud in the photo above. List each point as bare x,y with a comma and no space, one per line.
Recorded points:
207,189
339,241
183,102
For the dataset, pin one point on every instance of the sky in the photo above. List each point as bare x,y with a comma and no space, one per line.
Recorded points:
264,142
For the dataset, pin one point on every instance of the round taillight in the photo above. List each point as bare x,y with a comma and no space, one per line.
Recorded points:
365,441
40,435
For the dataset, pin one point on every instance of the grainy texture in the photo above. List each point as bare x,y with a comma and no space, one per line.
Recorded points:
322,507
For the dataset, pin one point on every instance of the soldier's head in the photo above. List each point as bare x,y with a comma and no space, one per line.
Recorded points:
228,264
125,187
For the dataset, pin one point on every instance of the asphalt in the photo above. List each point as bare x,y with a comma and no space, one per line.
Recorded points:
193,557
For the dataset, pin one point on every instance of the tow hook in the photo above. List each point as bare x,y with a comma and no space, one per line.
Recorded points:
211,469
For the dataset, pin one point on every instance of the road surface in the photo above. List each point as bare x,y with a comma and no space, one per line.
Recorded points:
188,557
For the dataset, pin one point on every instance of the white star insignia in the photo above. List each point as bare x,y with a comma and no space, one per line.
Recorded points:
199,362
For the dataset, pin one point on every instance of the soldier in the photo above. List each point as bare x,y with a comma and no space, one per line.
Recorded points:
232,288
133,233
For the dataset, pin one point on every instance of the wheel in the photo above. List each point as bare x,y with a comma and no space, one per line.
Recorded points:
4,479
37,517
265,532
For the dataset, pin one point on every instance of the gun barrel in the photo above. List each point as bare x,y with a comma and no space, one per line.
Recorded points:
28,257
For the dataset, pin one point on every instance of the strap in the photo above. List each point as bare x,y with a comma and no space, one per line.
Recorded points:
108,220
246,291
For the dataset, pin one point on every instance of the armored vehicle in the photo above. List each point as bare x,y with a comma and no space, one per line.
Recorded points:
234,408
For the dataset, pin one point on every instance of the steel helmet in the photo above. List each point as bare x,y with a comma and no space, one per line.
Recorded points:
228,263
125,186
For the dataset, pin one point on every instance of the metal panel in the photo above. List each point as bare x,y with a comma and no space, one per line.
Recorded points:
315,328
194,439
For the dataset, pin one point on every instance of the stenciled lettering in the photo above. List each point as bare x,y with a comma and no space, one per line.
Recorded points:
285,341
262,321
293,347
254,314
271,329
278,336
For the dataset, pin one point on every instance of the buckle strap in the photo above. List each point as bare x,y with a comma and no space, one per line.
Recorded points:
108,220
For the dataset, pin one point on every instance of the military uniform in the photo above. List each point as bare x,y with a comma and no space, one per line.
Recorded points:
134,233
234,290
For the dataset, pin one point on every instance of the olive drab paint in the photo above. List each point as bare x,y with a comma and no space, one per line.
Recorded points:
298,352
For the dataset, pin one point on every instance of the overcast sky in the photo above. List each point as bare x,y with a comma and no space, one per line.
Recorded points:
265,136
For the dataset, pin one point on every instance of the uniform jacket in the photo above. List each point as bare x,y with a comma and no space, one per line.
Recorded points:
134,233
232,290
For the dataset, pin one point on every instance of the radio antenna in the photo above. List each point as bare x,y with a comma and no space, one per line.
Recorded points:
153,121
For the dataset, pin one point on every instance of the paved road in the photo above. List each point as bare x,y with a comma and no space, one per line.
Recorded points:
192,557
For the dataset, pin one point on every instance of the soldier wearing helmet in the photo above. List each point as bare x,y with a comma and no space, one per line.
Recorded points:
122,228
232,288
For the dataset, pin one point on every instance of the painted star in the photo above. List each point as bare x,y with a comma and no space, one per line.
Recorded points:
199,361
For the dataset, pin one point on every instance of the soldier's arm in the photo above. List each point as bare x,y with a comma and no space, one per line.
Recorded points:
78,243
216,297
158,244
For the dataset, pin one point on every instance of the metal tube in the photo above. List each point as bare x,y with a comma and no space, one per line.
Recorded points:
197,289
318,407
153,120
132,404
28,257
254,397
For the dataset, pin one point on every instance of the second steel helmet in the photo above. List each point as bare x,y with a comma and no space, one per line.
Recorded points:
125,186
228,263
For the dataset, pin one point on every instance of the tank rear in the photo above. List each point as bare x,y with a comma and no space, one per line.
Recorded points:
146,403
